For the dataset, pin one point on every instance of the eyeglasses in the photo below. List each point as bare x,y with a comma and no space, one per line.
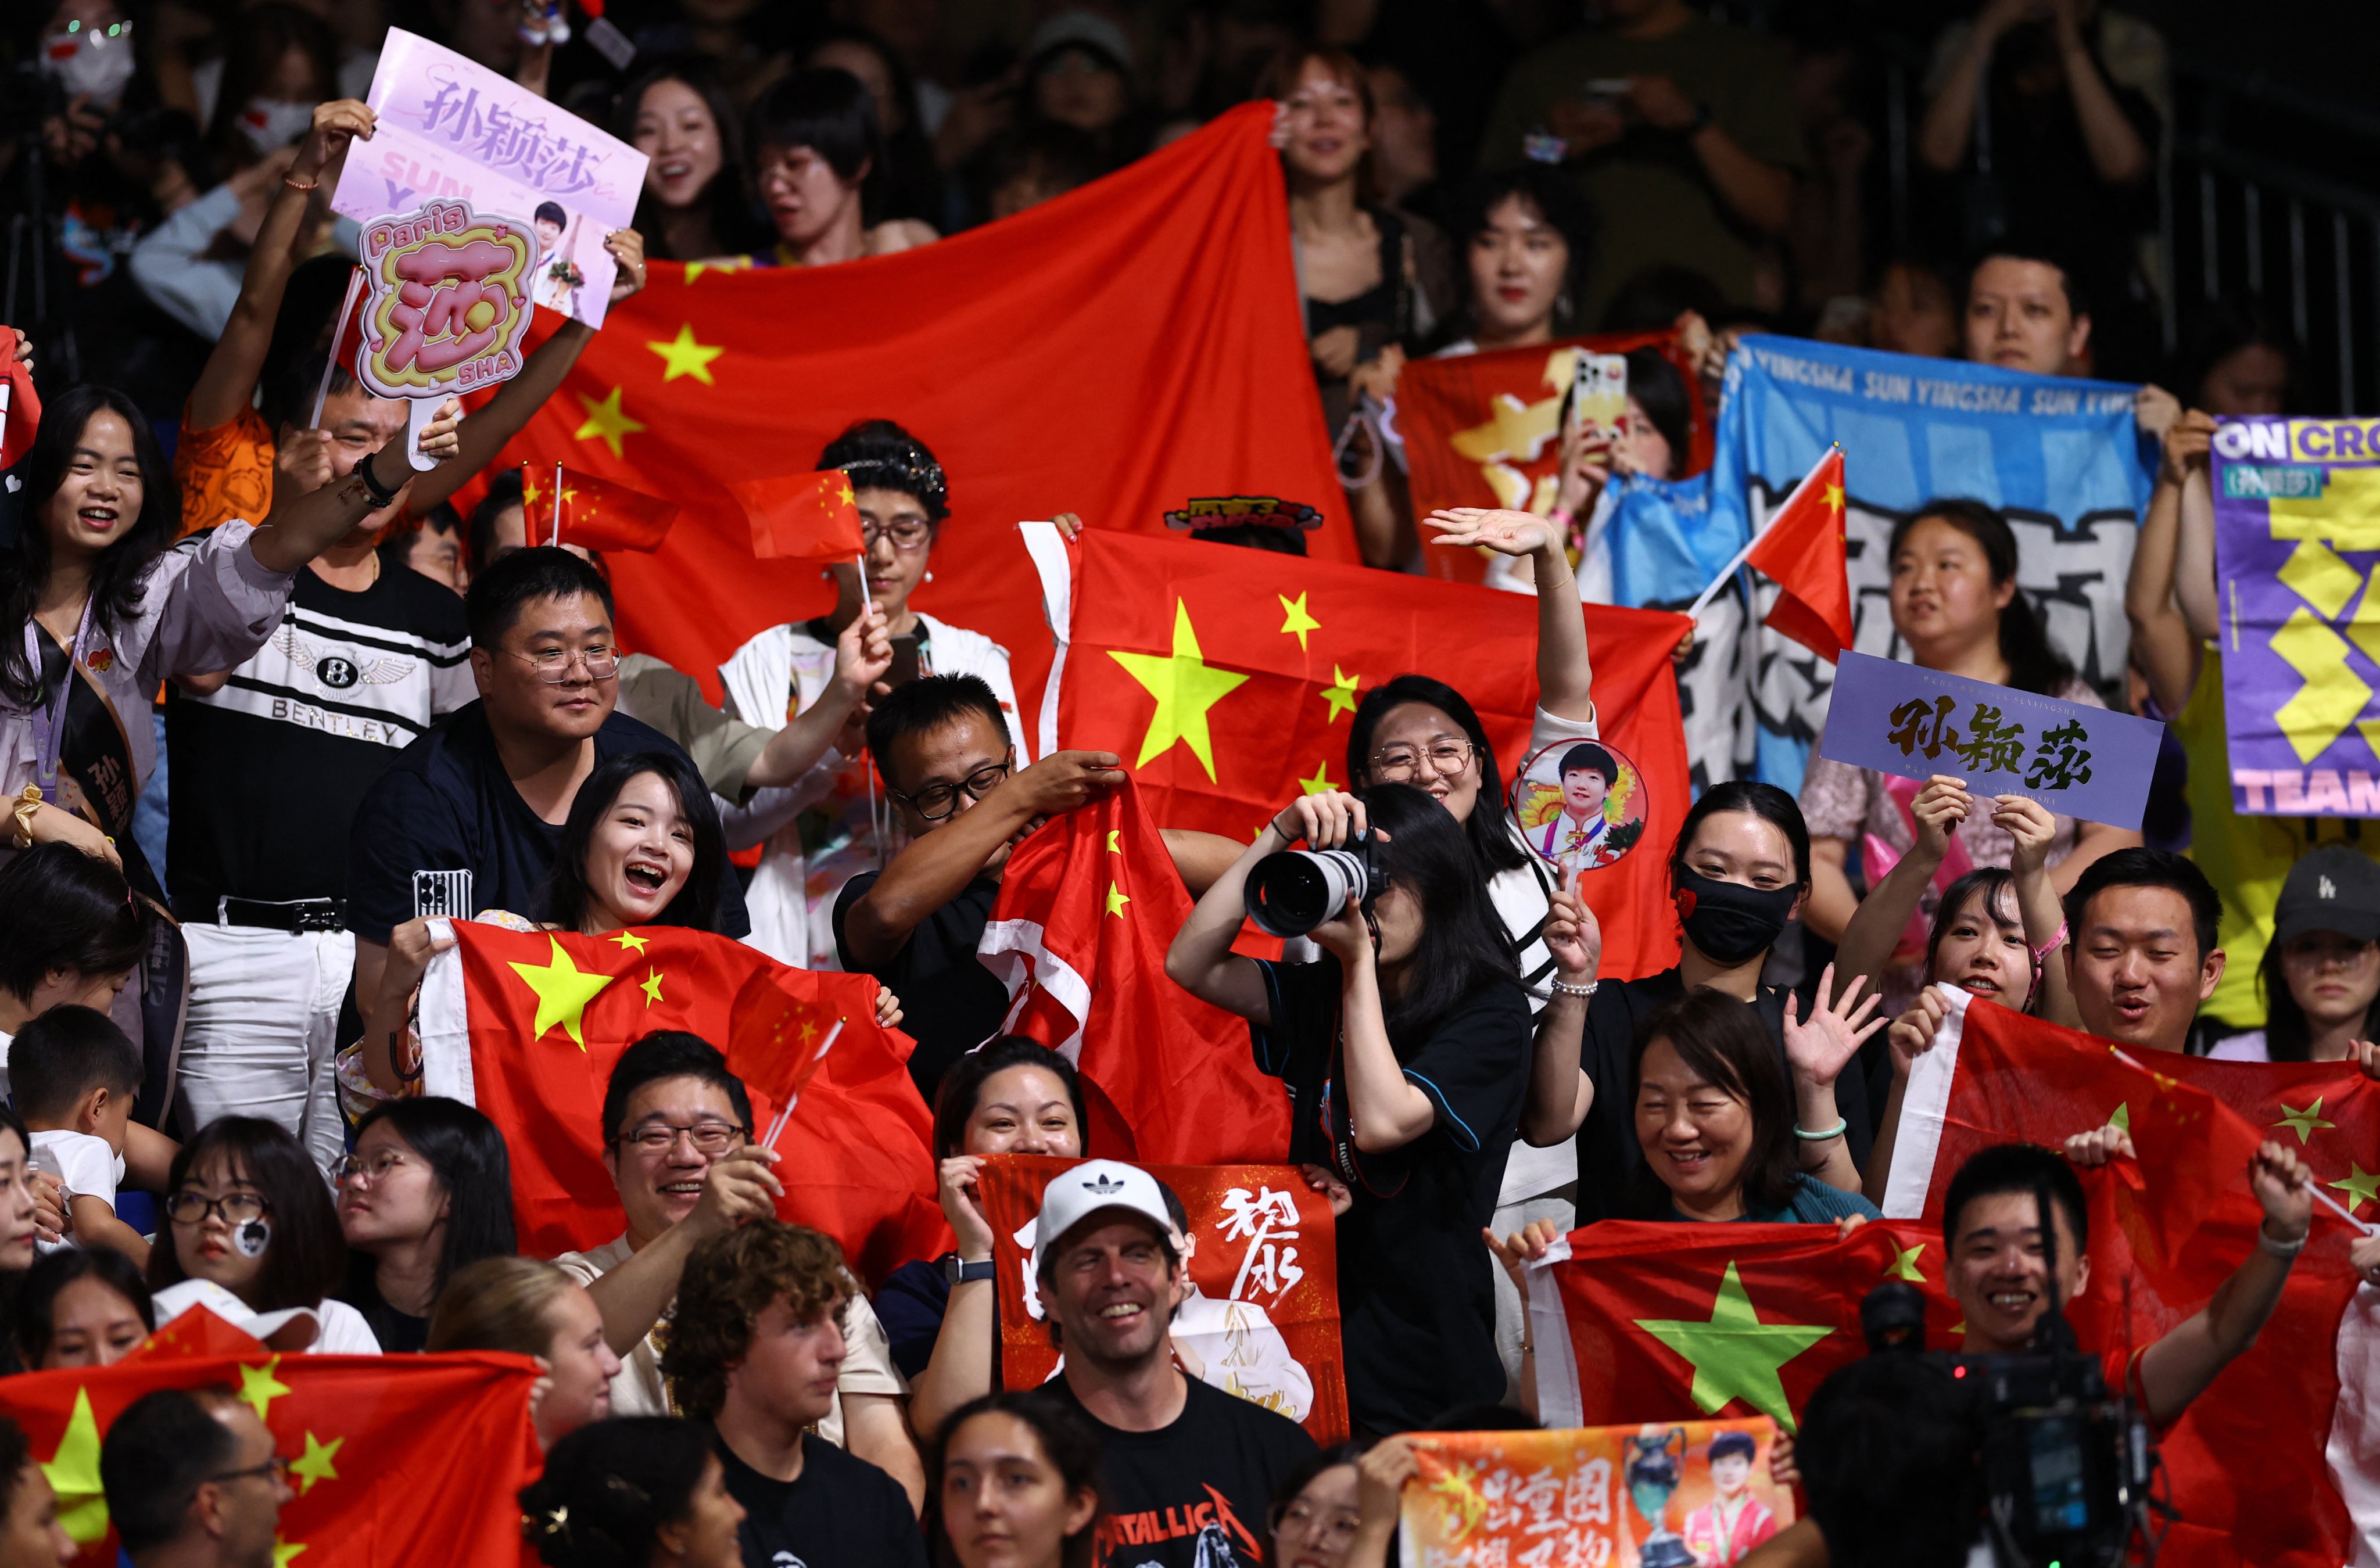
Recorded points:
237,1208
277,1467
380,1167
907,534
554,665
937,801
1336,1528
1447,757
707,1137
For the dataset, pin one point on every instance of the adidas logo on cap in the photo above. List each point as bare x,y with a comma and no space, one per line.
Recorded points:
1104,1185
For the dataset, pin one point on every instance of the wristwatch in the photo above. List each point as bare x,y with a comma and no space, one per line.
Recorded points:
958,1272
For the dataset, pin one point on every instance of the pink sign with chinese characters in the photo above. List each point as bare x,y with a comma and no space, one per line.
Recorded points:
446,301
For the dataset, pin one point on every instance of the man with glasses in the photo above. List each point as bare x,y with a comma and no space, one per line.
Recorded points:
942,747
193,1480
468,817
677,1131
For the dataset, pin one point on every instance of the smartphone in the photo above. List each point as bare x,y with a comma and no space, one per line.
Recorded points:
904,662
1599,391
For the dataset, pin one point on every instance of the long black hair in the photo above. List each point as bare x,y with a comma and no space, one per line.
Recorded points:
1493,843
962,1086
1464,949
1067,1442
12,1280
2288,1036
2033,664
465,1154
1991,882
608,1488
726,199
49,1276
61,908
121,574
1765,801
1557,200
569,900
306,1257
1722,1041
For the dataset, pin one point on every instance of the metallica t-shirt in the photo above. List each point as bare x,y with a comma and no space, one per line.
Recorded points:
1194,1494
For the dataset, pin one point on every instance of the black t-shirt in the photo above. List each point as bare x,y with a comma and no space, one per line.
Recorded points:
1608,1150
840,1512
271,767
398,1333
445,832
1416,1300
1207,1479
950,1002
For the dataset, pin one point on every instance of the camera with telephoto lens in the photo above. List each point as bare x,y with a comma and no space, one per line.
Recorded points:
1291,892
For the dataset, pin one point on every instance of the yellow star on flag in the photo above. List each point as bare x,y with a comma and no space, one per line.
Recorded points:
631,940
1340,692
1320,780
1904,1264
1734,1354
845,494
733,264
1114,834
530,493
651,986
1117,898
315,1465
682,356
2122,1119
1834,498
284,1550
606,419
2303,1123
563,989
260,1388
2362,1186
1185,686
73,1471
1295,618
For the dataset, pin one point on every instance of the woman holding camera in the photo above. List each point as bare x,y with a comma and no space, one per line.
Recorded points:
1405,1052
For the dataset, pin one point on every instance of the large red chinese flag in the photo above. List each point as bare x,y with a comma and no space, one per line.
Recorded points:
1805,552
802,517
2248,1458
1116,352
1227,678
527,1024
394,1460
1676,1323
1484,429
598,514
1262,1319
1088,907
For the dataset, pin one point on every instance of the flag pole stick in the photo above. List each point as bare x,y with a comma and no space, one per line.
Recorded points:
2333,1205
322,393
777,1127
557,503
1695,610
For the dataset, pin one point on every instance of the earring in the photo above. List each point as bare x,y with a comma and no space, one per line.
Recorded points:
930,574
1562,305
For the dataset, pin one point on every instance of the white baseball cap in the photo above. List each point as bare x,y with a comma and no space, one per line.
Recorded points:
1095,1185
290,1328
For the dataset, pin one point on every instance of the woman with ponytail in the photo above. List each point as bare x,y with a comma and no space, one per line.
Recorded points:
1957,607
641,1492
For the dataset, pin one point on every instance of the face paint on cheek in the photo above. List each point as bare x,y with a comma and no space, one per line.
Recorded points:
252,1237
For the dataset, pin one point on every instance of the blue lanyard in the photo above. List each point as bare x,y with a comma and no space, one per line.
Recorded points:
50,719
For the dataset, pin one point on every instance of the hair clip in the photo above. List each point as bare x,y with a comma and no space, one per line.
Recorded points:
557,1521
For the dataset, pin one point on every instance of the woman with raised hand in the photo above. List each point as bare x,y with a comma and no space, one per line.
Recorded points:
1016,1482
1957,605
531,1307
427,1192
643,1491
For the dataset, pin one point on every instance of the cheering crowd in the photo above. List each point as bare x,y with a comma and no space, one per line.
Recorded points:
277,707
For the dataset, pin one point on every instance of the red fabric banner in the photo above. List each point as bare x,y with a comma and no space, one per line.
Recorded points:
1263,1319
395,1460
527,1025
1115,352
1088,907
1484,429
1227,679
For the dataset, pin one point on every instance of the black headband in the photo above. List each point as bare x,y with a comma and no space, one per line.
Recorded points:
923,480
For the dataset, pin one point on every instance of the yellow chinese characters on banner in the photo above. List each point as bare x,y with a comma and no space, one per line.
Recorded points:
1668,1494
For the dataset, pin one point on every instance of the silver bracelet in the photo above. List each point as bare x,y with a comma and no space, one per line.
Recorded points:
1566,988
2281,1249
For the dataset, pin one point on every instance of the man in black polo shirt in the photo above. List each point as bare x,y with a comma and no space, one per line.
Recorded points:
468,817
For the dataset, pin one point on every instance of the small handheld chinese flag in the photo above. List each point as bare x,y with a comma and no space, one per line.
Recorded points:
599,513
20,406
1802,549
802,517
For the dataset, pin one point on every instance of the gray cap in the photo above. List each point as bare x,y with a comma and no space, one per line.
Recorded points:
1081,29
2331,888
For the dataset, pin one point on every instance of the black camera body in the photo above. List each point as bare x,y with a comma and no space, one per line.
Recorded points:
1293,892
2067,1464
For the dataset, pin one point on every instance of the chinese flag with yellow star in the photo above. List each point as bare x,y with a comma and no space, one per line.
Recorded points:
598,514
1117,353
392,1460
1227,680
2167,1227
1803,551
1088,907
527,1024
801,516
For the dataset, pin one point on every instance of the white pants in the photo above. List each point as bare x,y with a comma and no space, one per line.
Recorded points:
262,1029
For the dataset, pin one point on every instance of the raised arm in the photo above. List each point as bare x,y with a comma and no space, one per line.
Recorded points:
1200,960
1873,933
2031,826
1564,676
304,524
1818,1048
862,653
1949,120
1561,1093
2165,649
633,1296
226,385
2118,156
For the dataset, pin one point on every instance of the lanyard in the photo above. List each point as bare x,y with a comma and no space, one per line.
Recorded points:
50,719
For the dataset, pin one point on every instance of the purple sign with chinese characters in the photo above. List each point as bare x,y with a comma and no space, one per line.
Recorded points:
2079,760
453,129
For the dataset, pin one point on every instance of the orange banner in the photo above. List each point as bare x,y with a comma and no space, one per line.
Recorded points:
1261,1318
1678,1494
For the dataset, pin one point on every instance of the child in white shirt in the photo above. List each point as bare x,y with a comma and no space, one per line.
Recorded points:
73,1075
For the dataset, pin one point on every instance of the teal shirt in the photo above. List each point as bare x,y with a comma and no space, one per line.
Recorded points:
1814,1203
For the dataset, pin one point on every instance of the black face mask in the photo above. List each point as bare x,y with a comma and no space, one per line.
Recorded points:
1730,922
